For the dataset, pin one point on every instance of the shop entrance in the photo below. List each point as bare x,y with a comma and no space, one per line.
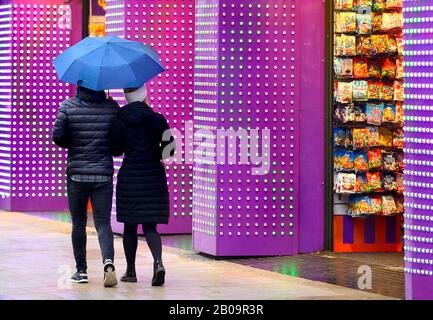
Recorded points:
364,166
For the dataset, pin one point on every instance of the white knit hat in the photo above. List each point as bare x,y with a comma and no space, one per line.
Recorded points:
138,95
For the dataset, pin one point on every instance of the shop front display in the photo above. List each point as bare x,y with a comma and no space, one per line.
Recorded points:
367,125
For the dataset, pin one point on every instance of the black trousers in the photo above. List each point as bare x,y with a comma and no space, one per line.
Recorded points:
100,195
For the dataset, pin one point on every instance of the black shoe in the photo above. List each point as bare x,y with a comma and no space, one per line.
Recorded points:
158,274
129,277
110,279
80,277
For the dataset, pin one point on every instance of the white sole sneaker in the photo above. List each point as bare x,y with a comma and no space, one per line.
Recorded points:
110,279
79,281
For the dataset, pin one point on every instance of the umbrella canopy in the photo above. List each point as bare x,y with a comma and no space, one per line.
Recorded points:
101,63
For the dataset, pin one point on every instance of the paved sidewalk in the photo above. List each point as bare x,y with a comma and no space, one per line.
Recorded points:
37,261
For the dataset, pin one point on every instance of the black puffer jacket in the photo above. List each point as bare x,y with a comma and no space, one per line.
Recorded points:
142,193
82,126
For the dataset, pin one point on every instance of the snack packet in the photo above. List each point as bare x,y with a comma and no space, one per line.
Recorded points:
339,137
364,23
363,4
345,45
378,5
399,203
373,138
392,45
374,113
374,70
363,46
344,92
376,22
360,206
360,161
399,178
399,40
385,137
389,69
360,68
388,112
399,113
345,113
343,4
343,67
389,182
360,90
398,138
387,92
376,205
379,44
359,113
394,4
388,205
392,21
349,139
361,183
374,89
398,91
345,22
344,160
345,183
400,161
374,159
360,138
374,183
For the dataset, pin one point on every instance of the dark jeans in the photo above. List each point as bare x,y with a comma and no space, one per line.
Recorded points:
100,195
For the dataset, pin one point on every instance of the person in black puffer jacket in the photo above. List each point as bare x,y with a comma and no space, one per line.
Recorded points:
82,127
142,193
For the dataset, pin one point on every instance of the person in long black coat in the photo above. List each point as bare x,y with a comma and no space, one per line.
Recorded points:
142,196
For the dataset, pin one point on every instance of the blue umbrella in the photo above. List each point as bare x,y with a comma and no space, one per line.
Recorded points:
101,63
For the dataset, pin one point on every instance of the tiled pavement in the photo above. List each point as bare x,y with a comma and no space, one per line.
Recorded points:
37,261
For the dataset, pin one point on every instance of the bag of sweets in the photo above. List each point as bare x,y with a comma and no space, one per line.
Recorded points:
374,89
399,203
360,161
363,4
361,183
389,69
360,206
343,67
376,205
399,44
389,182
392,45
400,161
399,113
346,183
388,112
400,68
345,22
373,138
359,113
360,68
374,113
394,4
398,138
399,177
345,45
374,70
391,21
376,22
387,92
385,137
363,46
388,205
374,182
379,44
364,23
379,5
398,91
374,159
360,138
360,90
339,137
343,4
389,161
344,92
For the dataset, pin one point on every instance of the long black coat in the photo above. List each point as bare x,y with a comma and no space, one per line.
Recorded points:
142,192
82,126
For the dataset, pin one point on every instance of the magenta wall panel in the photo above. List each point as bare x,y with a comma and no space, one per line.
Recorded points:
246,77
418,238
32,168
167,27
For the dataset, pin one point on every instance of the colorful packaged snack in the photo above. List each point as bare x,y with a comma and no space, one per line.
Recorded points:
399,178
389,69
398,138
376,22
360,161
363,4
359,113
376,205
339,137
392,45
343,4
373,113
374,183
399,40
346,160
360,138
345,183
343,67
388,205
345,113
360,206
360,90
379,44
364,23
374,69
400,161
394,4
393,20
374,89
361,183
389,163
344,92
373,138
360,68
363,46
345,45
345,22
385,137
399,113
389,182
378,5
399,203
387,92
349,139
388,112
374,159
398,91
400,69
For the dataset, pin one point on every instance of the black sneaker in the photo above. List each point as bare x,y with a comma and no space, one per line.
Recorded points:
129,277
158,274
80,277
110,279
